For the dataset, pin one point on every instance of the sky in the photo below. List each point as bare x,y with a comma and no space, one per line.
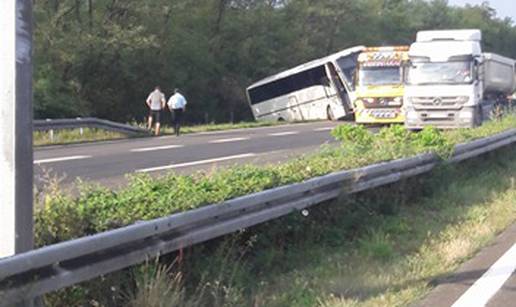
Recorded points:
504,8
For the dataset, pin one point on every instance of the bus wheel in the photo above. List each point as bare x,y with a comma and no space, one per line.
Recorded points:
329,114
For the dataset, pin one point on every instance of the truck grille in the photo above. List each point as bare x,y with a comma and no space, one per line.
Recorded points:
429,103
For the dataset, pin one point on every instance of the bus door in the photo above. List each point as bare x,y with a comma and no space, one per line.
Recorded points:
294,109
339,88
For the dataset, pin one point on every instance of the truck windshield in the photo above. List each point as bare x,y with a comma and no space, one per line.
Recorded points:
440,73
384,75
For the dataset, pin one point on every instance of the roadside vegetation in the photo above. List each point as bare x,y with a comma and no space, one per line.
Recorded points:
62,217
70,136
385,247
381,247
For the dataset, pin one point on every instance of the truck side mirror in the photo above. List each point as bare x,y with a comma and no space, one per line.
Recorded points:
476,70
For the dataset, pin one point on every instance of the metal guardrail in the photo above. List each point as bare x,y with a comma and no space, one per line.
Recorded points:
85,122
57,266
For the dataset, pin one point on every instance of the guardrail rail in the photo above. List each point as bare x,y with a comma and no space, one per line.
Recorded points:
53,267
85,122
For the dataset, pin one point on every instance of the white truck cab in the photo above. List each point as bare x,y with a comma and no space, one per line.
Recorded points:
451,83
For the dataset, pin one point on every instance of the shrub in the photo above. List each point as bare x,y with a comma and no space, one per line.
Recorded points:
355,135
432,139
99,209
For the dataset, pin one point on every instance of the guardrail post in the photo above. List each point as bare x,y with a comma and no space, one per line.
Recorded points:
50,132
16,169
81,129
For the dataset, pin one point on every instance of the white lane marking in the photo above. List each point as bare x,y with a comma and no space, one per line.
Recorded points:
255,128
172,166
284,133
492,280
156,148
50,160
324,129
227,140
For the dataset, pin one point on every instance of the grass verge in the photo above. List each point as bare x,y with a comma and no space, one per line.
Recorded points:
384,247
96,209
71,136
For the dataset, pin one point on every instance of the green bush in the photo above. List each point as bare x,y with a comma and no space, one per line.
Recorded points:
434,140
377,245
356,135
97,209
236,270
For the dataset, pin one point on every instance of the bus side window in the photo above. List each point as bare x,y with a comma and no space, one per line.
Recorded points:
325,81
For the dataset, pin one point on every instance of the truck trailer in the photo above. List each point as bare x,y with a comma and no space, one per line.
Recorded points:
451,83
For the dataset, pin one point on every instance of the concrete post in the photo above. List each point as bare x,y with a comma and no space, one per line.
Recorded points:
16,170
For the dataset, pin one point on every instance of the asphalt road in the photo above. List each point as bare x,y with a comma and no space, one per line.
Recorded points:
488,279
107,163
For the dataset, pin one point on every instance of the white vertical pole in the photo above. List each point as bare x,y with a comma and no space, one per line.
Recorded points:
16,171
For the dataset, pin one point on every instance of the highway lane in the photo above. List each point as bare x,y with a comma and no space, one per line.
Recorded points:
108,162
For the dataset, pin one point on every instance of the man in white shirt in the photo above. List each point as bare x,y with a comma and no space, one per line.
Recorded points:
156,101
177,105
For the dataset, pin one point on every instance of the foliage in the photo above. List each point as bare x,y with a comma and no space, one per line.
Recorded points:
96,209
394,141
385,259
433,139
346,252
357,135
67,136
101,58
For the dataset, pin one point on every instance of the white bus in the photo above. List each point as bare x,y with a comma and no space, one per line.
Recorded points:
320,89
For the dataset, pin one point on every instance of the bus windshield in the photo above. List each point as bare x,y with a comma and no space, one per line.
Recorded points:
459,72
385,75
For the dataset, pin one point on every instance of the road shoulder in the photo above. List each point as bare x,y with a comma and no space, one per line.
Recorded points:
451,287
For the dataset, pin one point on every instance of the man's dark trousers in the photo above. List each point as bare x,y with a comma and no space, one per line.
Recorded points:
178,118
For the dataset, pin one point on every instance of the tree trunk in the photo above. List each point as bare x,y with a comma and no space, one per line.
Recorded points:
90,13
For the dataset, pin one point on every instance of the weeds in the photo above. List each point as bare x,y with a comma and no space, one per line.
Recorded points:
352,252
158,286
69,136
66,136
98,209
285,254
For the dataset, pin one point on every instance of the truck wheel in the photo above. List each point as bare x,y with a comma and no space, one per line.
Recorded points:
329,114
478,118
